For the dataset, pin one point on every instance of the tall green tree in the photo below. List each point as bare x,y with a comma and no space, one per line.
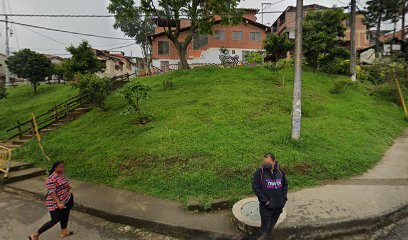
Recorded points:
30,65
277,46
131,20
376,14
83,61
323,31
201,14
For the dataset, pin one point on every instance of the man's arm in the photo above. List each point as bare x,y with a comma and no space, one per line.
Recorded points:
256,187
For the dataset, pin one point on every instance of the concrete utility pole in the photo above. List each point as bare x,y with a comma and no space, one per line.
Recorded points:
7,28
297,85
353,50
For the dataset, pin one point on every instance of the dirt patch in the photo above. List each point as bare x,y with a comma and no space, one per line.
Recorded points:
297,169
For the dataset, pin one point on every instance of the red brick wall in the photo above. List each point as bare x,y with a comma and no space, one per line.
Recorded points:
212,42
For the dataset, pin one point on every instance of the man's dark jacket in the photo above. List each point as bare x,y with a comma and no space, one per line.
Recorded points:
270,186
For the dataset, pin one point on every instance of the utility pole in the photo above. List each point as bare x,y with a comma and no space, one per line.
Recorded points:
7,28
297,84
404,10
353,50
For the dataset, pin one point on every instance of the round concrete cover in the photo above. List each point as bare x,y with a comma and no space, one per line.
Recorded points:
247,217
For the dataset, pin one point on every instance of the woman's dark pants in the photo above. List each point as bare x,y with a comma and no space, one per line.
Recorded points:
269,218
59,215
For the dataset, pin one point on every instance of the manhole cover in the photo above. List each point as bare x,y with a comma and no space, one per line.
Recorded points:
251,210
247,217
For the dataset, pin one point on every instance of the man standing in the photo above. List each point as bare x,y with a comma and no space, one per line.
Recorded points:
271,188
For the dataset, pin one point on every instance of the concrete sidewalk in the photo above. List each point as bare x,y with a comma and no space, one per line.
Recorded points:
342,207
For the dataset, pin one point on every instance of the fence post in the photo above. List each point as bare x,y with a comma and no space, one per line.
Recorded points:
32,127
66,111
55,113
19,129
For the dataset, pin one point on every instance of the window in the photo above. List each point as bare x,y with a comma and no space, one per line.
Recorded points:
255,36
199,41
233,52
237,35
219,34
163,48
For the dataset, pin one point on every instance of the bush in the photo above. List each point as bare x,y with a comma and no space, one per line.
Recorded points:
336,61
381,70
134,93
386,91
254,58
3,92
279,65
93,89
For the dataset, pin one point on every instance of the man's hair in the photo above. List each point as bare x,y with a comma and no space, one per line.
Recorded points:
270,155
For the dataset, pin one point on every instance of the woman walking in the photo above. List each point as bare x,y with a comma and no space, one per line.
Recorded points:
271,188
59,201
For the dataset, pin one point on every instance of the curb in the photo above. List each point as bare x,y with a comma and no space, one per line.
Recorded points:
162,228
343,228
321,231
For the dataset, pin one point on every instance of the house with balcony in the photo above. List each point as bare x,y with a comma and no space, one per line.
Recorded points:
285,24
239,39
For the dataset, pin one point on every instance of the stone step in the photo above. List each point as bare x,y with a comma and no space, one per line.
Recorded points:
24,137
15,166
19,141
10,145
22,174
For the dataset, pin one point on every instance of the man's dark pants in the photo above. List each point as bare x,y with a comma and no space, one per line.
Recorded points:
269,218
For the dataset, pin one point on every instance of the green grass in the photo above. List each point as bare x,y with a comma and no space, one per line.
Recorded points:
211,132
21,101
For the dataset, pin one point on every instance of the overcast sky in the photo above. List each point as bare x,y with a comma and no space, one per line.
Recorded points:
55,43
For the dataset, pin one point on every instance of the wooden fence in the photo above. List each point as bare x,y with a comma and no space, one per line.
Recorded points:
56,113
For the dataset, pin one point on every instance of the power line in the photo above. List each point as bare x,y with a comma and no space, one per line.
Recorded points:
128,45
45,36
94,16
65,31
57,15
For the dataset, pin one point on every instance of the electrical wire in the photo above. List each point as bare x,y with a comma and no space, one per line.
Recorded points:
66,31
128,45
45,36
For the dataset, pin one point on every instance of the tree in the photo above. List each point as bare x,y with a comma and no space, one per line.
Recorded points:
277,46
376,14
58,70
323,31
30,65
201,14
129,18
83,61
134,93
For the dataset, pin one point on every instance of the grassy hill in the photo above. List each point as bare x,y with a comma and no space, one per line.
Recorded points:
21,102
211,132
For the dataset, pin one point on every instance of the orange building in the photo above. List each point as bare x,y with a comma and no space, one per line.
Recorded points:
205,49
286,24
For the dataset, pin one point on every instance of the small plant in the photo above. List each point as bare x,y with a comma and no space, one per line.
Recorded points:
254,58
168,84
134,93
3,92
274,67
93,89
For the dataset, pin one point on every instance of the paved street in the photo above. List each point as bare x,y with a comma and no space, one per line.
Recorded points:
20,216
